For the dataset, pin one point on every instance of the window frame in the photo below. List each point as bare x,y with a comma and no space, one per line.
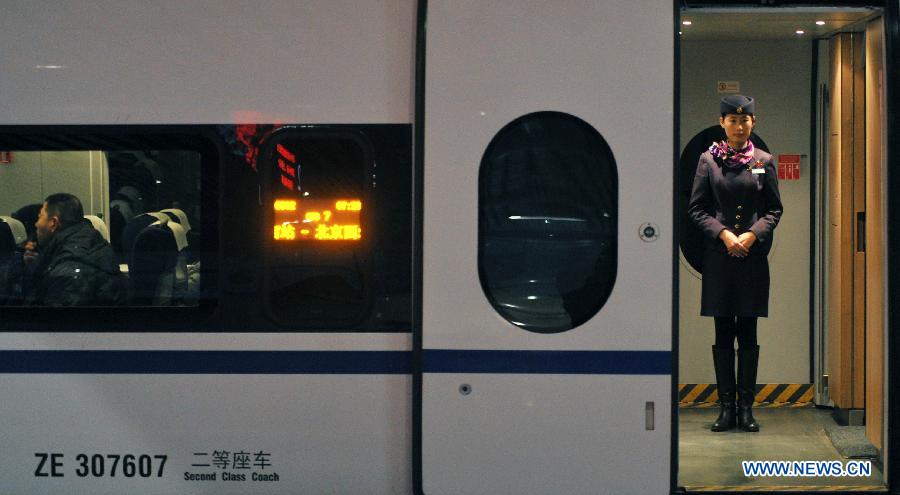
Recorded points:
201,139
266,167
612,166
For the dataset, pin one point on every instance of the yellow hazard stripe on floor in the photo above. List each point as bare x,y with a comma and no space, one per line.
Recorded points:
769,394
766,392
695,391
787,394
786,488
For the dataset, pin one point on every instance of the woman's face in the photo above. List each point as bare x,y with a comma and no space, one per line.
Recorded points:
737,127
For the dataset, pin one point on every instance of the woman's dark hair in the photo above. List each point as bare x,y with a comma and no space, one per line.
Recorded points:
65,206
28,215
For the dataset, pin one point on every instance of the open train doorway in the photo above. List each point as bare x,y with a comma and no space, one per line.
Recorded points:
817,78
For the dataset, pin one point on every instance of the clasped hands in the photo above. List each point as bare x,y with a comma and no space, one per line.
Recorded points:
737,246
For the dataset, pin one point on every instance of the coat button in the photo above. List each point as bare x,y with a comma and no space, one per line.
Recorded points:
739,207
737,217
737,225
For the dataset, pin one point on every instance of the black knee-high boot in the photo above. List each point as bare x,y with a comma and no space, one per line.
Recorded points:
723,360
748,361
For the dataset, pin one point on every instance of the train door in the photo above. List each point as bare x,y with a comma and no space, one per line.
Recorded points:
817,75
546,305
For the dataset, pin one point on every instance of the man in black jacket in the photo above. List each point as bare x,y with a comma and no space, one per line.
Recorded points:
75,265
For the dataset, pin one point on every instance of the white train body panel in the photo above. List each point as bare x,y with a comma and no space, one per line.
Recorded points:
514,431
207,61
323,433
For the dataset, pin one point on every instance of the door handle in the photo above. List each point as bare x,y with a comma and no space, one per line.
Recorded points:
860,232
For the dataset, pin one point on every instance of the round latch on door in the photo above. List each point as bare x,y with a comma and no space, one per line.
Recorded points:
649,232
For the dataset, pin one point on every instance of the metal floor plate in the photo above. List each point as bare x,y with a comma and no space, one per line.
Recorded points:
712,461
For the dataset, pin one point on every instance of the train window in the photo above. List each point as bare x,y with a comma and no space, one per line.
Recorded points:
318,272
101,227
547,215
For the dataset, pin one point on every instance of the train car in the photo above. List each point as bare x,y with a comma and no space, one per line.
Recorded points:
397,246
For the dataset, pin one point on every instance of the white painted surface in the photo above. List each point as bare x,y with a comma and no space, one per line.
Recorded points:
346,434
609,64
206,61
552,434
162,341
509,59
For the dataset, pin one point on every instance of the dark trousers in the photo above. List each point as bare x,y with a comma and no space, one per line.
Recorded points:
730,327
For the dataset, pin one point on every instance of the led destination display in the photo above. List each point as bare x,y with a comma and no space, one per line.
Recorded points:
317,219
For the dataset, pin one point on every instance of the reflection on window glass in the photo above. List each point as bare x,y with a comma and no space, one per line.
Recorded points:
547,213
100,228
318,270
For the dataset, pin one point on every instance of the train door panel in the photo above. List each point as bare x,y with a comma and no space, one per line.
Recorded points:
855,282
874,235
547,267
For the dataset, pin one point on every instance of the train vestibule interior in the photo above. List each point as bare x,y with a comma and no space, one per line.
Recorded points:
817,77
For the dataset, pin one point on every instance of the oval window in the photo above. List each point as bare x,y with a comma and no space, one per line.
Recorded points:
547,217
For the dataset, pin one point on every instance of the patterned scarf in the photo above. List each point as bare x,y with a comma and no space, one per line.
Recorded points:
732,157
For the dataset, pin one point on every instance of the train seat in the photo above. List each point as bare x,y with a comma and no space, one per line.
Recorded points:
120,213
157,265
99,225
12,235
178,216
136,225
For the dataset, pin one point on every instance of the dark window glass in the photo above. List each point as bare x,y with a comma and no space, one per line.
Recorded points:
547,215
122,227
319,272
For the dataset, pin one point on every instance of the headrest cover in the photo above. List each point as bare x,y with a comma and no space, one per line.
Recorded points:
123,207
99,225
177,232
20,235
162,217
180,217
736,104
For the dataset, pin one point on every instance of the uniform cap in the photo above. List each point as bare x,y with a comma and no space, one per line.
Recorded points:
739,104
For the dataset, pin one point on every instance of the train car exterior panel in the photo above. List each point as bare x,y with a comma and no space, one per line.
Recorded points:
206,433
546,65
106,62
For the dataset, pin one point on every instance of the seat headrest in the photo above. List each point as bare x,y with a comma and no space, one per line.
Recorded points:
99,225
178,233
16,229
162,217
134,227
179,216
124,208
151,167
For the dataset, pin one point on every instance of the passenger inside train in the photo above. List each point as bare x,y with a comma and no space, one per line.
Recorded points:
78,248
71,264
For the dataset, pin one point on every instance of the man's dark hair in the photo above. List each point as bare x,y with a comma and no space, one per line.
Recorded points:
65,206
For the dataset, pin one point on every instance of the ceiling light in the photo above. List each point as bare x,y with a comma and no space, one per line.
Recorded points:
687,23
820,23
800,31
